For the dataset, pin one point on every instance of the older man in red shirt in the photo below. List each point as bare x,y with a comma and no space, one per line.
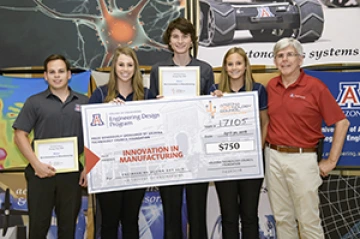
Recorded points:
297,105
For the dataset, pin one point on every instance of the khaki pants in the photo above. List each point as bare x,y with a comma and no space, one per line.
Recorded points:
293,180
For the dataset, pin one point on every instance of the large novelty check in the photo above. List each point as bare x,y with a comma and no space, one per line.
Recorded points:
182,141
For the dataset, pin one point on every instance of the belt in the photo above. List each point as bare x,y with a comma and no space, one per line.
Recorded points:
289,149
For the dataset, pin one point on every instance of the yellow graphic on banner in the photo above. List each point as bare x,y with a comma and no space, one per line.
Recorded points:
7,145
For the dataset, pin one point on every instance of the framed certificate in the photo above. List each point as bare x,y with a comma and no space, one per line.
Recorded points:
179,81
61,153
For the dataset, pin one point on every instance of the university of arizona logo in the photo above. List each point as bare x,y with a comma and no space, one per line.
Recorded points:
96,120
77,108
349,96
264,12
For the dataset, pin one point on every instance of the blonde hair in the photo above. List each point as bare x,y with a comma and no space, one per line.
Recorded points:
224,84
137,80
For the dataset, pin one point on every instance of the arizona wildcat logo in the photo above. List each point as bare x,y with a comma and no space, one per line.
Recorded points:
96,120
349,95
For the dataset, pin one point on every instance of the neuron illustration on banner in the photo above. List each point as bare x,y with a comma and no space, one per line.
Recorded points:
112,25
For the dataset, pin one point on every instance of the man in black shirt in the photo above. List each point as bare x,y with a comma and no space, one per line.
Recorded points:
53,113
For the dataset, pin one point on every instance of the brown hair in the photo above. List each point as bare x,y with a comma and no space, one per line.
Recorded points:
183,25
54,57
137,80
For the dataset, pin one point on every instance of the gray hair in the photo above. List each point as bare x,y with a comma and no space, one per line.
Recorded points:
288,41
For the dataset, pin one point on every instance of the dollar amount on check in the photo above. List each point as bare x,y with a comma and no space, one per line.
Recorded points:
167,142
229,146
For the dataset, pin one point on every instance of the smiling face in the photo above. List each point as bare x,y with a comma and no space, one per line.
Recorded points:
57,75
235,66
288,61
180,42
125,68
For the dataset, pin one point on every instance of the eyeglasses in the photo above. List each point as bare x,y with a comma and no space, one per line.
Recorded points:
288,55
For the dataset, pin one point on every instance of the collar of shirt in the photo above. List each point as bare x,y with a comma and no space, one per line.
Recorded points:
128,98
171,62
299,82
48,93
240,90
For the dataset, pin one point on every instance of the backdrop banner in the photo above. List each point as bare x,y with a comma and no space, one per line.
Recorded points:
256,27
13,94
345,87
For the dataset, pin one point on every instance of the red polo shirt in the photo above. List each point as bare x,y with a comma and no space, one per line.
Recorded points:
296,112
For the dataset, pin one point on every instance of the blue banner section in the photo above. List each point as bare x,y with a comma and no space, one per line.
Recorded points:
13,90
13,94
345,87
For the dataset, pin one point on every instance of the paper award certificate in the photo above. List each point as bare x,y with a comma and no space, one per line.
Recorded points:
179,81
61,153
167,142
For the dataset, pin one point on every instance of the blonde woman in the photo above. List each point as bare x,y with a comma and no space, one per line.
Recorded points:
240,198
125,84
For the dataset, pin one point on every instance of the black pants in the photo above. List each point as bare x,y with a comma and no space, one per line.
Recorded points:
120,206
196,197
239,198
61,191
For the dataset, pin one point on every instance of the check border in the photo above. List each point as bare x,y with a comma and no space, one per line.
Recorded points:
87,109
